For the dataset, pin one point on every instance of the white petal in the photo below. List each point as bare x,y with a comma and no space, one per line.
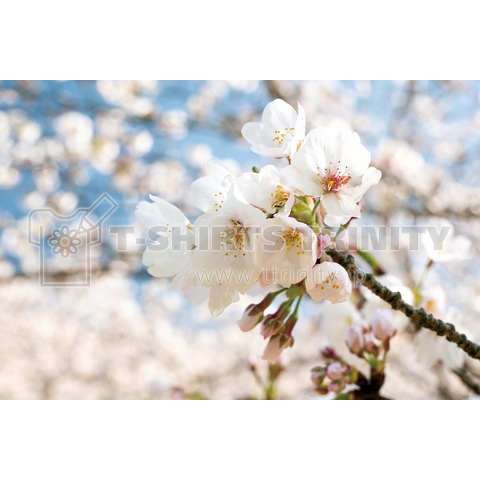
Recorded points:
269,152
244,272
253,133
205,193
371,177
172,213
300,125
161,263
221,296
218,171
261,189
353,153
278,115
302,180
339,209
242,212
159,214
196,294
310,164
149,216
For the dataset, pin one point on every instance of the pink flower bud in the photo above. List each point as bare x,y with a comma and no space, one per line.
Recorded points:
318,374
328,353
372,345
250,318
383,326
275,347
337,370
324,241
355,340
335,387
270,326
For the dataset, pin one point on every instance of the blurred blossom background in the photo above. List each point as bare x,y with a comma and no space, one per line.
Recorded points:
64,143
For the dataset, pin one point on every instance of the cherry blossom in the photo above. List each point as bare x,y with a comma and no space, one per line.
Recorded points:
288,247
166,256
280,133
453,248
267,190
329,281
209,193
323,168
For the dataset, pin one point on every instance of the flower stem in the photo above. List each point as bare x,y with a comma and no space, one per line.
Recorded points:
295,312
341,229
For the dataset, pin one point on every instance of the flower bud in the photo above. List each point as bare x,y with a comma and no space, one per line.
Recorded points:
383,326
355,340
371,344
321,389
337,370
273,323
275,347
329,353
336,387
251,317
267,301
324,241
254,313
317,376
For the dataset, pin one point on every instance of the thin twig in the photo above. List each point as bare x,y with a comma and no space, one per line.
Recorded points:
394,299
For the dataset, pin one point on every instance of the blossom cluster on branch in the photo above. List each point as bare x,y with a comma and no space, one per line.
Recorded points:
265,227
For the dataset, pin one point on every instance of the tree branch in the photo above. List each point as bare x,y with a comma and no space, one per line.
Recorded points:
394,299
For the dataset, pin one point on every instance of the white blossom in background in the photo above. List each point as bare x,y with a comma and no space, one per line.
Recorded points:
434,300
280,133
431,348
131,95
453,248
324,167
76,129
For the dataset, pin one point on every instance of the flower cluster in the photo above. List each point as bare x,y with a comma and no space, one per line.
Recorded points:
335,375
370,344
268,226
